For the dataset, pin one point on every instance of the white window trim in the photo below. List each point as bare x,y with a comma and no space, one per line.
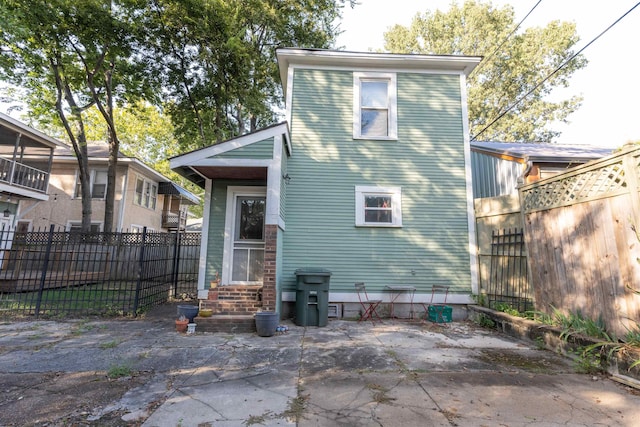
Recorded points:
233,192
358,77
92,180
146,183
71,223
396,204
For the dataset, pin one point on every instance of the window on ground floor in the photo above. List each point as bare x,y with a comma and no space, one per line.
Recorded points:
378,206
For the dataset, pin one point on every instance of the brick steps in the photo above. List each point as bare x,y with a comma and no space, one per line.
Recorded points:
226,323
233,309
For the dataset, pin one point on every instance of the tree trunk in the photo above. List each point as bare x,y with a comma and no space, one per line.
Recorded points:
77,137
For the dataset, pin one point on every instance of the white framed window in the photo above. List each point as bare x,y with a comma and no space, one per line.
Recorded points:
136,228
76,226
146,193
378,206
98,183
375,106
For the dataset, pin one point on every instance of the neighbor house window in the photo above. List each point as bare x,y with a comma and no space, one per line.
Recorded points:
378,206
374,106
146,193
98,184
76,226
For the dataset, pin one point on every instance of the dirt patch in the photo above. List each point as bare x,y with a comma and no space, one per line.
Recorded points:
63,399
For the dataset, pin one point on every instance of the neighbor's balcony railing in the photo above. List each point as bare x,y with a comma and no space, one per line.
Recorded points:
21,175
174,219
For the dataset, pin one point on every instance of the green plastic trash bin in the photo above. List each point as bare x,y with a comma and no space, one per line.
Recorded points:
312,296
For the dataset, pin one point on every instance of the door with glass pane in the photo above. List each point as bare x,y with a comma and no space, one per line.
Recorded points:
247,260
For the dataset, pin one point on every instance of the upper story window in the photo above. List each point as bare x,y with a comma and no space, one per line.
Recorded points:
146,193
374,106
98,184
378,206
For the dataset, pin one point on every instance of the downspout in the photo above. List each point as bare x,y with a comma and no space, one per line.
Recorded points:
13,162
46,184
123,198
522,179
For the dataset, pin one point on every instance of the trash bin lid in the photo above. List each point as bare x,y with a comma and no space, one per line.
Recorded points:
312,271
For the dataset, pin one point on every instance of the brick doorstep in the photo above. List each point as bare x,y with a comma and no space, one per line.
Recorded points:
243,323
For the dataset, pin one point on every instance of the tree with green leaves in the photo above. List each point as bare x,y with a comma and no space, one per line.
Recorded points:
215,60
218,59
72,55
508,97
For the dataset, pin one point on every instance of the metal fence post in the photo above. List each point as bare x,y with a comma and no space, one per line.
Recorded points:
136,301
45,266
176,263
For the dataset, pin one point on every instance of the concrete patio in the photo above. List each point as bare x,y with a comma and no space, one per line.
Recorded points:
346,374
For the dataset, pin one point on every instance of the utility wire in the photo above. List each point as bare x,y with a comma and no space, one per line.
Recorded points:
554,72
486,60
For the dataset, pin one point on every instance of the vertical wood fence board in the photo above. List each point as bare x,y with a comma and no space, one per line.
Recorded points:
583,252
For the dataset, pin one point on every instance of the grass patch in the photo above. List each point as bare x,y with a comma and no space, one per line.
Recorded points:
379,393
119,371
109,344
256,419
296,408
94,298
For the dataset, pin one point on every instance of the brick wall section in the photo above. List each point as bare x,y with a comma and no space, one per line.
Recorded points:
230,324
234,300
269,278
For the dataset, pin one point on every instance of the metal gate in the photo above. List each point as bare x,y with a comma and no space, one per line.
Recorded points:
508,279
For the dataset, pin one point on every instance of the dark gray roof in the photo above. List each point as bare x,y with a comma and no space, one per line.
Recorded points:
543,152
174,189
96,150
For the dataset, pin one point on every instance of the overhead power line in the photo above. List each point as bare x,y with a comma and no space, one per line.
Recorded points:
561,66
486,59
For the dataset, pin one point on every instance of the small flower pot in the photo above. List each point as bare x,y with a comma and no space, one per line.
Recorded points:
181,325
205,312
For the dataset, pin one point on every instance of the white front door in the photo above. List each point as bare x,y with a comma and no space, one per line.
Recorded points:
246,208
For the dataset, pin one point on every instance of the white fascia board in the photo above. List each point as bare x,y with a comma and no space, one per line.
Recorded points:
194,157
471,213
231,162
333,59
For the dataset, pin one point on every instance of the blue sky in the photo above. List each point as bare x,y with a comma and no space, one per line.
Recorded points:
609,84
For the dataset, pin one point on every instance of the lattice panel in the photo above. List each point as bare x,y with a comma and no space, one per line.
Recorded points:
588,185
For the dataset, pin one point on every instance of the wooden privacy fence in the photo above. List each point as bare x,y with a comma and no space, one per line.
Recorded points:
582,248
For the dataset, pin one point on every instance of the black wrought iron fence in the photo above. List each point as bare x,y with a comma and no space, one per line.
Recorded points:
65,273
508,281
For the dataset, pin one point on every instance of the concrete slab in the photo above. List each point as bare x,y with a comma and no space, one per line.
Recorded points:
345,374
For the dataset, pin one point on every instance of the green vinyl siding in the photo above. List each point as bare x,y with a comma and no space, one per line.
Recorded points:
427,162
215,242
258,150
